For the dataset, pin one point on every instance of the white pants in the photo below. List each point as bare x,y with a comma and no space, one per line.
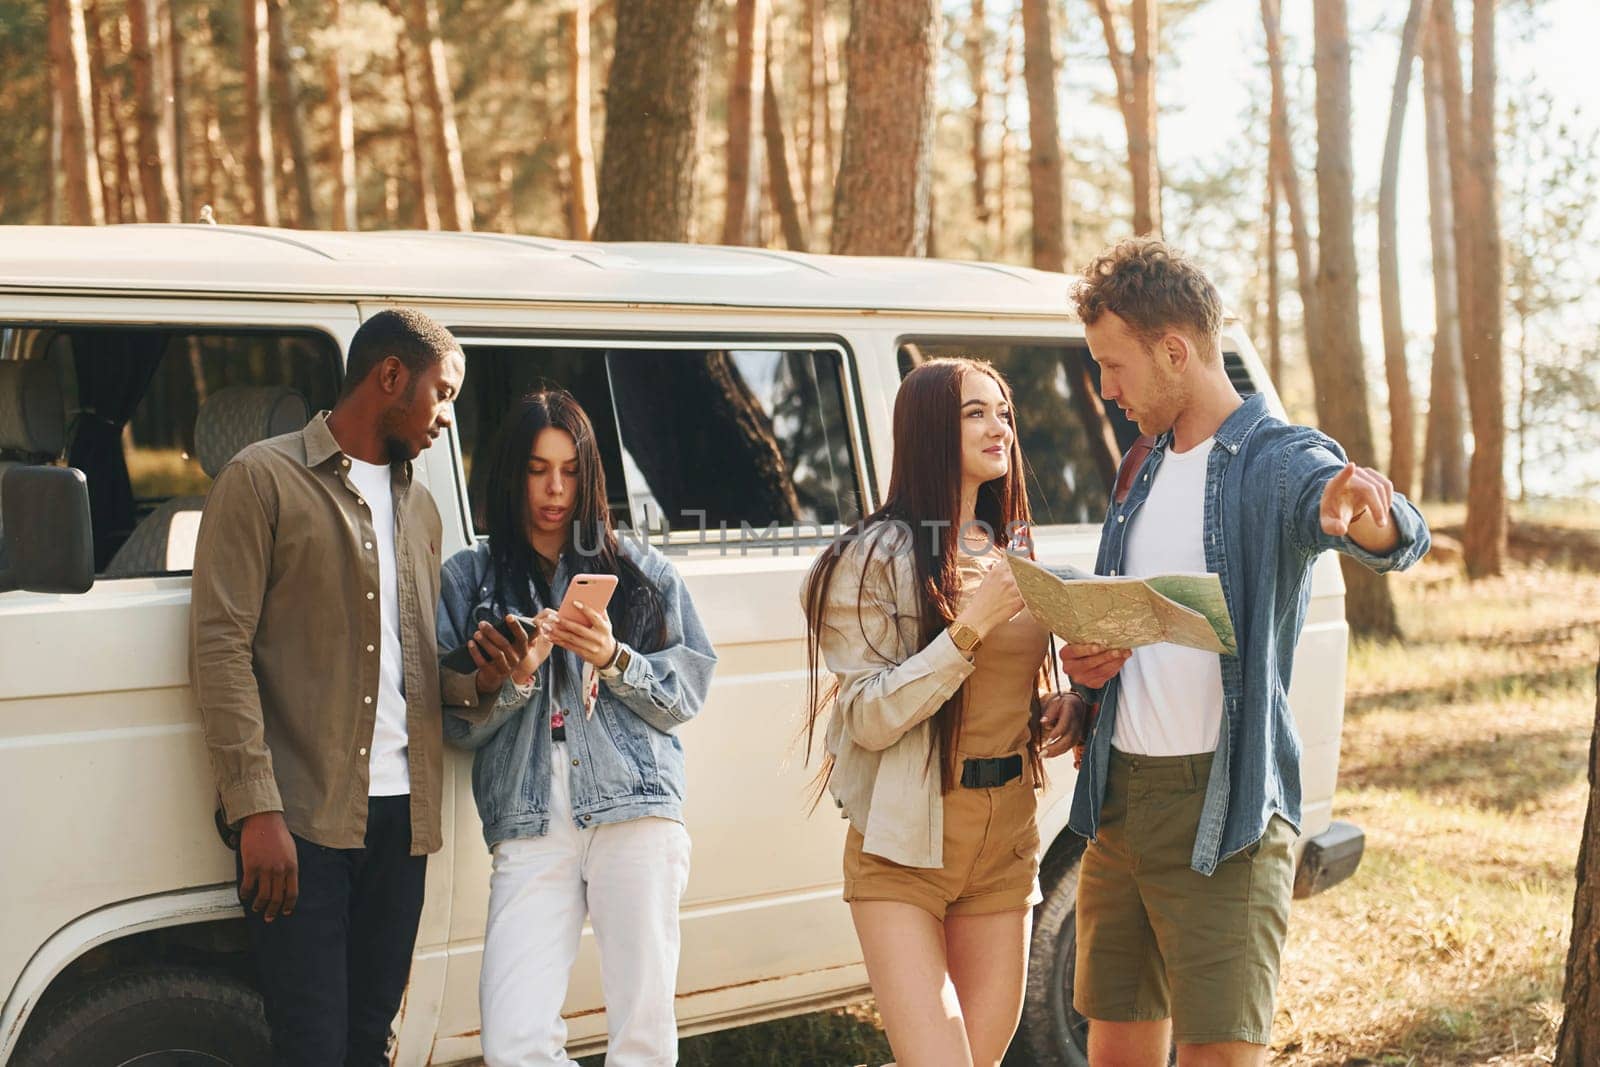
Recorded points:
628,878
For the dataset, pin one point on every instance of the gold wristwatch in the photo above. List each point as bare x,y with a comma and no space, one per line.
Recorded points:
965,637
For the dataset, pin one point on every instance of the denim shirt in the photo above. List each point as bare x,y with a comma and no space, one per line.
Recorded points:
1263,531
626,762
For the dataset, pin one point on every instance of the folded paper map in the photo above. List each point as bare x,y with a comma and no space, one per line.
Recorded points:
1087,609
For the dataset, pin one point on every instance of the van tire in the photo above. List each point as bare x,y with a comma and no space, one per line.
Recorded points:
1051,1034
152,1017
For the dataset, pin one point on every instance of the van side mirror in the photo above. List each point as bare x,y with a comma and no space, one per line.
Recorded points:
48,543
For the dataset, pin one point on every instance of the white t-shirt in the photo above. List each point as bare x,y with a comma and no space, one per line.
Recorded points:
1170,703
388,772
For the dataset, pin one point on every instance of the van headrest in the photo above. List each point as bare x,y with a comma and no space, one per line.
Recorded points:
33,416
241,415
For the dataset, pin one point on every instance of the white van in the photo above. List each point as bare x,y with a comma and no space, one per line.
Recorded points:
742,398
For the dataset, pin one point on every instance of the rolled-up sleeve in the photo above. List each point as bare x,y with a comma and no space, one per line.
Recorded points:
668,687
879,698
232,565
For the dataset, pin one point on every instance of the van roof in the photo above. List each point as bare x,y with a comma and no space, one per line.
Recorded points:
200,258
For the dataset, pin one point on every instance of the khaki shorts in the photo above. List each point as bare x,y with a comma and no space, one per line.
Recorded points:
1156,938
991,858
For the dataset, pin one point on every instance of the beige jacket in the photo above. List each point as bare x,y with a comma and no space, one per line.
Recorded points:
889,687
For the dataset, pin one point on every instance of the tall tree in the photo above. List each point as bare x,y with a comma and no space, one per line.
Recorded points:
1046,175
822,63
177,80
1578,1042
69,56
290,116
1004,149
1288,172
258,155
107,123
1444,457
1402,416
1274,283
655,101
1135,73
427,203
455,202
1484,539
156,172
977,54
880,202
1342,384
580,139
782,165
746,85
343,212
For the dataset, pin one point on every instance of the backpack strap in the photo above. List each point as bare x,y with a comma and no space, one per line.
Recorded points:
1132,460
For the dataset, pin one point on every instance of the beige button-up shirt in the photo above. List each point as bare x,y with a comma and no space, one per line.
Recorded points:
285,634
890,686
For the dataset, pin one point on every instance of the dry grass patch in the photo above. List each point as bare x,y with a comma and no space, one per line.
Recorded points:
1463,759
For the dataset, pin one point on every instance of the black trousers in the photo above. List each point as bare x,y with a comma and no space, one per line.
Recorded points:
332,974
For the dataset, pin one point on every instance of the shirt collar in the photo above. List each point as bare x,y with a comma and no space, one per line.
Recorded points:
321,446
1237,426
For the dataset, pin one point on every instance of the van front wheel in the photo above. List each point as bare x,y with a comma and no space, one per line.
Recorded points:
1051,1034
152,1017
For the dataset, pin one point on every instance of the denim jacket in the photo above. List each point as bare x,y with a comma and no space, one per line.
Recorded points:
626,761
1263,531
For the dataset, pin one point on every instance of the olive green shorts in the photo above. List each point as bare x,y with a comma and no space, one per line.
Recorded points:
1158,939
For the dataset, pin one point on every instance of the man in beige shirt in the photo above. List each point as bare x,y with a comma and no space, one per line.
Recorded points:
314,664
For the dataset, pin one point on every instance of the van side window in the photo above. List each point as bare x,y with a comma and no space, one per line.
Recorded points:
1071,439
734,436
150,415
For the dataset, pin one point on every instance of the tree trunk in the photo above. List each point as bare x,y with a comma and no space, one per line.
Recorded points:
978,72
583,205
258,154
742,210
52,210
781,165
822,64
155,165
69,55
1578,1043
1342,381
286,94
655,101
1484,539
106,123
179,81
880,202
1402,416
455,203
416,140
1046,175
1274,284
1142,122
1288,171
1005,146
343,214
1444,459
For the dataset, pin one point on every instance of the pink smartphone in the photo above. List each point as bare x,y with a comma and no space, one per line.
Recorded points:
591,590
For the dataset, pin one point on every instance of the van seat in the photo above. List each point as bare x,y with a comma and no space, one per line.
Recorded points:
230,419
33,415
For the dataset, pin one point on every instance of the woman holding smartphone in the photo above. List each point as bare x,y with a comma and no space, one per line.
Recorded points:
577,774
938,721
